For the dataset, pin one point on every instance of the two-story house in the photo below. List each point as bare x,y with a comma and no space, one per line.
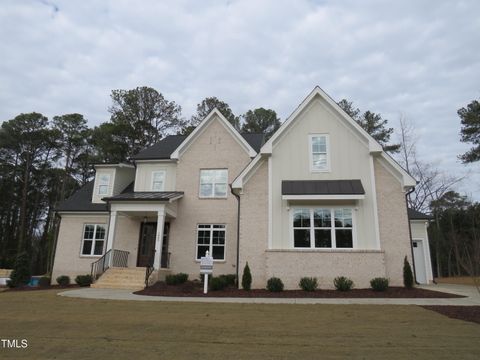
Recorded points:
319,198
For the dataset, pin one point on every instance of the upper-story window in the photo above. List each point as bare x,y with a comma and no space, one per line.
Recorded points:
319,152
213,183
103,184
158,180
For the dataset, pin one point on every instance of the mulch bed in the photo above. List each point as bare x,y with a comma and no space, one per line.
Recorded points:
33,288
195,289
467,313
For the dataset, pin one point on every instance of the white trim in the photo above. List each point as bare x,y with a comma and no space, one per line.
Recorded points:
213,185
164,176
332,227
270,202
109,176
202,126
146,161
211,229
119,165
375,207
407,180
93,239
241,179
323,197
327,153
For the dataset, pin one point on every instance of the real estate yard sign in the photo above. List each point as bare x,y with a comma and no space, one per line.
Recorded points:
206,268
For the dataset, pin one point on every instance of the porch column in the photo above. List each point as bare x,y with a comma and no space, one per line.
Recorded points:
111,234
159,238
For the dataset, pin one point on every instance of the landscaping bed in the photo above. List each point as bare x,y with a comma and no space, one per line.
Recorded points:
195,288
467,313
32,288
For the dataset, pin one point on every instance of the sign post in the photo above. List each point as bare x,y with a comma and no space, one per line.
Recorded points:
206,268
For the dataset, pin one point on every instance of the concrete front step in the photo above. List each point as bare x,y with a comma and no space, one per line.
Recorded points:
121,278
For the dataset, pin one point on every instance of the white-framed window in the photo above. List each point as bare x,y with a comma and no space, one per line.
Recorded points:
322,227
213,183
103,184
158,180
211,237
319,148
93,241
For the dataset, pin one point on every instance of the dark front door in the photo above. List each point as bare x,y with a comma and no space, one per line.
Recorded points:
146,244
165,263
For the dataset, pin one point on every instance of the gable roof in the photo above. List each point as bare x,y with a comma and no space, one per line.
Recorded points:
374,147
165,147
215,113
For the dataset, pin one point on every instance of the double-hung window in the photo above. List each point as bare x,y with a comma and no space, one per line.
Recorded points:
93,242
319,156
211,237
213,183
158,180
103,184
322,228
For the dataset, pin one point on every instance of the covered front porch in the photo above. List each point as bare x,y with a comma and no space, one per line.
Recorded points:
138,235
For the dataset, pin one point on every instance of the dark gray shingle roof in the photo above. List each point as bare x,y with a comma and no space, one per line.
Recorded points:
145,196
165,147
417,215
81,200
322,187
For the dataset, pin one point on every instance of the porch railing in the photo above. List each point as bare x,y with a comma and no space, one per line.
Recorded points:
112,258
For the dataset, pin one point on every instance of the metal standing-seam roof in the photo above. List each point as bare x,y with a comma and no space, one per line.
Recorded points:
322,187
146,196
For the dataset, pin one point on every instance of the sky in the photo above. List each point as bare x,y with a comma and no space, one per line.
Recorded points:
414,59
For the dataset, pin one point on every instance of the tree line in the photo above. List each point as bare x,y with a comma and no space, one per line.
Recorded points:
43,161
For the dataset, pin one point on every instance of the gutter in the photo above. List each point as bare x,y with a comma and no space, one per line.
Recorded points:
410,232
238,235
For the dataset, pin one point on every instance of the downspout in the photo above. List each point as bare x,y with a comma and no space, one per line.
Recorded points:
410,232
238,234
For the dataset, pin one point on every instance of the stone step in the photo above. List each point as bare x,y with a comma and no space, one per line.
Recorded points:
121,278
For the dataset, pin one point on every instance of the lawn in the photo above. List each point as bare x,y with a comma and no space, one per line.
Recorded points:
66,328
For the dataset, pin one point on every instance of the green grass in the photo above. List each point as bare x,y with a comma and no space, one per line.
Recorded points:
66,328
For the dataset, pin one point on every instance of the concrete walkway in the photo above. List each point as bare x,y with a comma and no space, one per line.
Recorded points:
473,297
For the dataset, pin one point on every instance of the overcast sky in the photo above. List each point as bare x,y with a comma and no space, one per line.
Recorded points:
419,59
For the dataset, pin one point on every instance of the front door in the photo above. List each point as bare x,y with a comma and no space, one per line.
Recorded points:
420,270
164,264
146,244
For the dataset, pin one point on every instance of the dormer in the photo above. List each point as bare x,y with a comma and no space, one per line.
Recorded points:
111,179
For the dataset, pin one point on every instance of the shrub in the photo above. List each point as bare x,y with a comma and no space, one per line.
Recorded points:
217,283
229,279
84,280
21,271
407,274
379,284
246,278
343,283
63,280
176,279
274,284
308,283
44,281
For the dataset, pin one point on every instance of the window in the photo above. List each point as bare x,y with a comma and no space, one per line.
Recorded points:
322,228
213,183
103,184
212,238
93,239
158,180
319,157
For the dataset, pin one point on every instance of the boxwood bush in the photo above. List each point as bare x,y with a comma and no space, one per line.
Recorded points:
308,283
343,283
274,284
83,280
379,284
44,281
176,279
63,280
217,283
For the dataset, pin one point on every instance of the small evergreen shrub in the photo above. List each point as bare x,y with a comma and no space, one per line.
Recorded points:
229,279
274,284
44,281
246,278
63,280
308,283
21,271
176,279
379,284
407,274
217,283
84,280
343,283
